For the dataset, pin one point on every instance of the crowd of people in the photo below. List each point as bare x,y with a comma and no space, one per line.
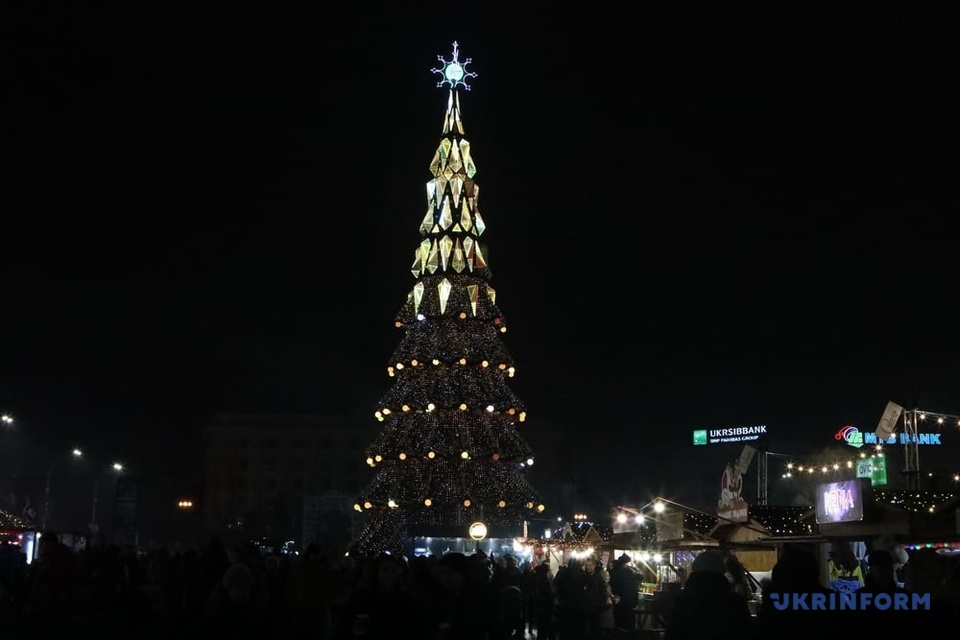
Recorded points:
711,607
243,593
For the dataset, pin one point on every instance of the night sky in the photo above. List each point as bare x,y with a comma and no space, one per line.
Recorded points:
695,219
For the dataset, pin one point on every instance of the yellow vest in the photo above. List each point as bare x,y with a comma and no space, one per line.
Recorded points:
837,572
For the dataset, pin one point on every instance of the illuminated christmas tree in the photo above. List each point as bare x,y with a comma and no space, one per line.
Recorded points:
449,453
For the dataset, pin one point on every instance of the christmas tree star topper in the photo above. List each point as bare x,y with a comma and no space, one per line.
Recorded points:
454,71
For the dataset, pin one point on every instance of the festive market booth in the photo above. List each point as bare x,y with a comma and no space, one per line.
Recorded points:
653,556
932,565
681,534
755,543
640,545
675,537
903,522
671,539
17,532
932,547
575,540
664,543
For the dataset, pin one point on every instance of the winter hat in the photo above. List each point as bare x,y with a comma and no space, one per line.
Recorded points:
710,562
456,561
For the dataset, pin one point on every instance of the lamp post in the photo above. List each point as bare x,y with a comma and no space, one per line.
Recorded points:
763,483
7,421
117,468
76,453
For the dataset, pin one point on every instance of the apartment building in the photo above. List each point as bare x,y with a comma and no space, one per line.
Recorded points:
261,470
296,478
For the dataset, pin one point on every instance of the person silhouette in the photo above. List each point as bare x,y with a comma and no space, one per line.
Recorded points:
708,608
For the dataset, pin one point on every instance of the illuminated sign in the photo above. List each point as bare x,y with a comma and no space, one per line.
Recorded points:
733,434
478,531
856,438
874,468
840,502
732,507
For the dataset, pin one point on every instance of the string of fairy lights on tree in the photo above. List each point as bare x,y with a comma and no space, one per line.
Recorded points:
449,452
844,465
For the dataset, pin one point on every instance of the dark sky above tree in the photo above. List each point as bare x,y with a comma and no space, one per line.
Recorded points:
696,217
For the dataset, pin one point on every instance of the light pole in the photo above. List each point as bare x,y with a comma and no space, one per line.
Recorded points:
117,468
7,421
763,482
76,453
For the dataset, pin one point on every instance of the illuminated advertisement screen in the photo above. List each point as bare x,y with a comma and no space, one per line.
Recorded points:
840,502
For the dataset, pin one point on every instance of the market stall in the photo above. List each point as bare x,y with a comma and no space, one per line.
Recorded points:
17,532
901,522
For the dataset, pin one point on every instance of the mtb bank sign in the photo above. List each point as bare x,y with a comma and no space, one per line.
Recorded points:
856,438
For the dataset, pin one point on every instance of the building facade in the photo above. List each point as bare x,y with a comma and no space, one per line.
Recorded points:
265,476
296,478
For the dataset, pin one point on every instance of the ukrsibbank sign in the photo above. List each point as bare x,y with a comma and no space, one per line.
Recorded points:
732,434
856,438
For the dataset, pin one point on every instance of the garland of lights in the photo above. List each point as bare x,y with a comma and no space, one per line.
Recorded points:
449,452
839,466
10,521
940,418
933,545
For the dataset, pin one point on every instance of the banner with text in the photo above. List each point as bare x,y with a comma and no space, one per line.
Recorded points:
874,468
888,421
731,506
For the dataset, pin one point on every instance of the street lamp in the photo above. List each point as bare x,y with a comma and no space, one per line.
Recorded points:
76,453
117,468
7,419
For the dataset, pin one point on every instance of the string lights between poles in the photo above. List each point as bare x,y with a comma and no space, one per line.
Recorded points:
794,469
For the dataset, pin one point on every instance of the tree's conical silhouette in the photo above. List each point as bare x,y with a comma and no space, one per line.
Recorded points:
449,453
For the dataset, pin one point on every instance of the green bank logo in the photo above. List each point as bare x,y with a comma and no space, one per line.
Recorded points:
700,437
875,468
